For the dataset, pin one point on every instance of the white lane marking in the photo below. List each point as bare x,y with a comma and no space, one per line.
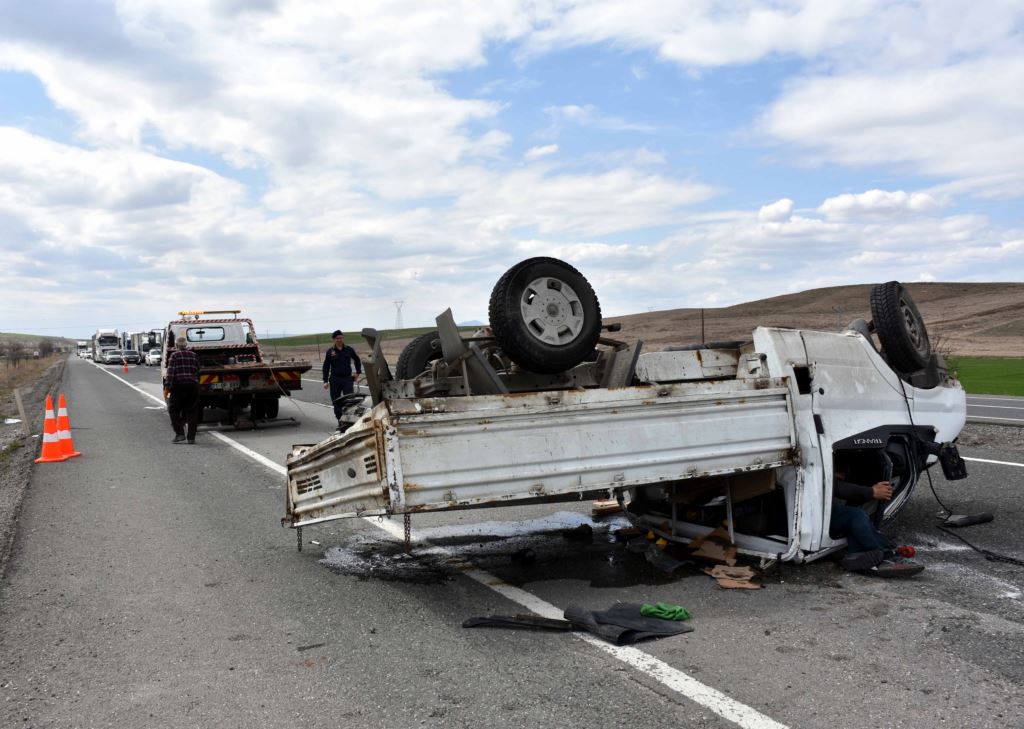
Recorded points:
1006,399
740,714
998,463
137,389
258,457
996,407
991,417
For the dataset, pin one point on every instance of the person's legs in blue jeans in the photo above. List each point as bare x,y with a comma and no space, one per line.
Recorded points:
855,524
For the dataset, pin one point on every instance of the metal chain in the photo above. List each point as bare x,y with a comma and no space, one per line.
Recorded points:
298,537
407,519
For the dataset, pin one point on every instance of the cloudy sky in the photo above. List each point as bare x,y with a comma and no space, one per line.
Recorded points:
313,162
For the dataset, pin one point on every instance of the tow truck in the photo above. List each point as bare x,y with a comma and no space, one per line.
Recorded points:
544,406
233,373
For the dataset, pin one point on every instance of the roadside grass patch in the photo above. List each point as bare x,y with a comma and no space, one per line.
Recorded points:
11,447
990,375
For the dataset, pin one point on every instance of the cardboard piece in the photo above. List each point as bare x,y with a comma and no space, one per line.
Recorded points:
735,578
714,547
604,507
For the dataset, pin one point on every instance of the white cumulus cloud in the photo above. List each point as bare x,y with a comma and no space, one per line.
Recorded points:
878,203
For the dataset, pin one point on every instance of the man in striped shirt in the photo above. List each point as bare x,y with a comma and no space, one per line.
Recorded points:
182,386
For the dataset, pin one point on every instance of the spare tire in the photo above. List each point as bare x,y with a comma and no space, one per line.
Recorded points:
545,315
900,328
417,355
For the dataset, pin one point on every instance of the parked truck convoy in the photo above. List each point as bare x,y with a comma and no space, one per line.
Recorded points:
543,406
233,374
142,342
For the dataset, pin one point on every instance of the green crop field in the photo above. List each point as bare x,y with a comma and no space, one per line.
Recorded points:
990,375
310,340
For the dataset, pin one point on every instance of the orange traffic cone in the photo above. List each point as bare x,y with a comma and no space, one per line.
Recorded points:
67,445
51,442
125,367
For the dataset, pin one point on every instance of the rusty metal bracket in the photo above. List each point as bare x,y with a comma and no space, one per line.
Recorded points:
377,370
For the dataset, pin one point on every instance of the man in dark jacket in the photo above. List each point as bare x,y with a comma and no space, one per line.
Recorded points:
867,548
182,389
339,363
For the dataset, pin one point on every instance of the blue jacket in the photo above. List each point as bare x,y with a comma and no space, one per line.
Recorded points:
339,363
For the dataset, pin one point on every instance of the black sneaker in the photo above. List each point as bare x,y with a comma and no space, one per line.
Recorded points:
897,567
178,439
861,561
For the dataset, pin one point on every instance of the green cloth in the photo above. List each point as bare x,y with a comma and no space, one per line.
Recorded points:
664,611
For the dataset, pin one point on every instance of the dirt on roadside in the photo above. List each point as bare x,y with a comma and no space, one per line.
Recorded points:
17,451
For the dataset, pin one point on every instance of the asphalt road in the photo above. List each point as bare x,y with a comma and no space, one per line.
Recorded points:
151,585
997,408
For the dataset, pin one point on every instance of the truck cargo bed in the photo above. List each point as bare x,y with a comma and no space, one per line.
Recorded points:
433,454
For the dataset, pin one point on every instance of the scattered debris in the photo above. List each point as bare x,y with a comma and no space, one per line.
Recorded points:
714,547
627,534
582,533
531,622
662,560
623,623
664,611
604,507
735,578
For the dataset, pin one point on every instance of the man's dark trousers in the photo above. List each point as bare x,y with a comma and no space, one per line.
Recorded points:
183,407
340,386
855,524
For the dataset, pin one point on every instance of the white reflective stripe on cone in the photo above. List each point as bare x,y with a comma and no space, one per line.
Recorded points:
63,411
50,438
64,434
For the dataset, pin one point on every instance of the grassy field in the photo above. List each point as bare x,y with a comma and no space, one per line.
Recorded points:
27,372
308,340
32,339
990,375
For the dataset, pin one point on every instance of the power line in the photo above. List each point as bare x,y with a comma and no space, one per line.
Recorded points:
398,315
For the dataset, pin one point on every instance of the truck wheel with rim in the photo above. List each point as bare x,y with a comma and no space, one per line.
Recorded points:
900,328
417,355
271,407
545,315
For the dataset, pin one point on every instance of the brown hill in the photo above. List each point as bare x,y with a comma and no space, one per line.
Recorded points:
966,319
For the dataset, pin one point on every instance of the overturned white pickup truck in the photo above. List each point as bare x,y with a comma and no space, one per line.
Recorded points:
542,407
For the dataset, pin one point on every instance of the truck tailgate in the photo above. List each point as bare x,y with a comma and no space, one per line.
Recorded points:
439,453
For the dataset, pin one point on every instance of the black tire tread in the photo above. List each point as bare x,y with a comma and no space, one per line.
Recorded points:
889,326
416,355
518,345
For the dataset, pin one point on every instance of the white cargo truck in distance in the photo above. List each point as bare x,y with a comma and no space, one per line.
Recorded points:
104,340
687,438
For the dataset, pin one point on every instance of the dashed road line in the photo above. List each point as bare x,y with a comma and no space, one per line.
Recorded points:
681,683
998,463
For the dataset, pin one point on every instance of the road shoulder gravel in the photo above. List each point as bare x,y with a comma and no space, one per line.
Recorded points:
17,453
